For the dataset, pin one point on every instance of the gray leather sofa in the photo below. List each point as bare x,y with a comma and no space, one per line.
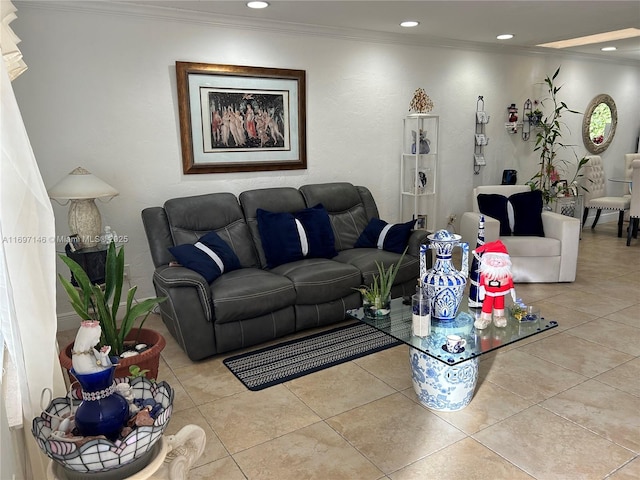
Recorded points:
254,304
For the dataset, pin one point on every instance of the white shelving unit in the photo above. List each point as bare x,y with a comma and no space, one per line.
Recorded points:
419,169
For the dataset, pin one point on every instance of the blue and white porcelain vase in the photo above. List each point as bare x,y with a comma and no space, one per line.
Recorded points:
440,383
443,283
103,411
442,387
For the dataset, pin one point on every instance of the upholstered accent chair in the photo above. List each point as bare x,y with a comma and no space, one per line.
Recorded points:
550,258
634,210
594,183
628,170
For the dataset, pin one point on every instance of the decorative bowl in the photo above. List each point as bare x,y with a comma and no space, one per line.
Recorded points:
101,454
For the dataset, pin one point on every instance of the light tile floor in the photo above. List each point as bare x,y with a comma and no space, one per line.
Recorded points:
562,405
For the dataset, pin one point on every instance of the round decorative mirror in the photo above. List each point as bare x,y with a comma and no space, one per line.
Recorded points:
599,124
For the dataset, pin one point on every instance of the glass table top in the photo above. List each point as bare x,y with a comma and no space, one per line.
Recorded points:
398,325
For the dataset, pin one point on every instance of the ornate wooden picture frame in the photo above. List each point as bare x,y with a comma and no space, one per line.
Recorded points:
241,119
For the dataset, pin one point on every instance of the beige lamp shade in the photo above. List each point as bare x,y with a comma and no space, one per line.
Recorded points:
81,184
81,187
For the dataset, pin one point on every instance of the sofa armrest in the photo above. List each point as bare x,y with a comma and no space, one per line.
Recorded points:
559,226
158,232
417,238
188,311
172,277
567,231
469,228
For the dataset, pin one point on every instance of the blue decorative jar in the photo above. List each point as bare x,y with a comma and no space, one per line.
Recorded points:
443,283
103,411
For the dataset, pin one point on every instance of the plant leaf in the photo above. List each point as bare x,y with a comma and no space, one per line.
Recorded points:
77,303
107,322
78,273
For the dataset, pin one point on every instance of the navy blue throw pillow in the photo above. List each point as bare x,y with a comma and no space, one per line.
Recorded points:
495,206
210,256
287,237
527,213
392,237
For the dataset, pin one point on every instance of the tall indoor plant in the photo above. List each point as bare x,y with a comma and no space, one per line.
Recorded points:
102,302
549,144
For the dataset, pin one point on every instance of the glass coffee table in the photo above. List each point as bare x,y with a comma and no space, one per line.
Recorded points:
446,381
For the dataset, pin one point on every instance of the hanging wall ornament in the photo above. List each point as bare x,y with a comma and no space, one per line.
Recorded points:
420,103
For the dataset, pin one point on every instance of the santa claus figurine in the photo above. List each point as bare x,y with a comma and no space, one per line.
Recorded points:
496,282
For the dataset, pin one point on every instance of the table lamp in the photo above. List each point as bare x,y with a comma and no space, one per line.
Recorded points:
81,188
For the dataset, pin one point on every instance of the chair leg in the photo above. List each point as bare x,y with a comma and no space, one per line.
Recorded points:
584,216
595,220
620,222
633,226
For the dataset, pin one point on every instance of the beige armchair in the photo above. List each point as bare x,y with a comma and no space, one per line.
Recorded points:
634,210
549,259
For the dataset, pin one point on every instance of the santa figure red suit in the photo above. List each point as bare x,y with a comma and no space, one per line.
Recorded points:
496,282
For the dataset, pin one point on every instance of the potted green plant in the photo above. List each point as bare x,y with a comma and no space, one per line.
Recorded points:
376,298
549,144
102,302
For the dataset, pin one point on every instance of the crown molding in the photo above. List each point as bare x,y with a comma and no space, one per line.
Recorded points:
170,14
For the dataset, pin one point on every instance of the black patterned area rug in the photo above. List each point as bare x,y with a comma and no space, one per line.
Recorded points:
270,366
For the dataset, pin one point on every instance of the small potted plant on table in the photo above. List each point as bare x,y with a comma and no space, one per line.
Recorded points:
376,298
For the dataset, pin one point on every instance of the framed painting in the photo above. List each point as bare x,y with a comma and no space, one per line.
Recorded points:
241,119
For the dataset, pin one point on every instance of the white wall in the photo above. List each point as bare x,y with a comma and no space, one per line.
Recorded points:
100,92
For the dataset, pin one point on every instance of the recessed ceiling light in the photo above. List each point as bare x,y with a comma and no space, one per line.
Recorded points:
505,36
608,49
257,4
409,23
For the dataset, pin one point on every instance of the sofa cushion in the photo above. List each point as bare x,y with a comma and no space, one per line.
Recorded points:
527,213
249,293
191,217
287,237
350,209
318,280
210,256
392,237
527,247
364,259
495,206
